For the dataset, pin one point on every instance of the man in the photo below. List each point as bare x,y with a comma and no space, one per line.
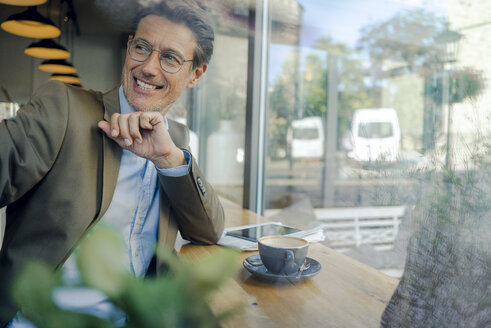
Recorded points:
60,175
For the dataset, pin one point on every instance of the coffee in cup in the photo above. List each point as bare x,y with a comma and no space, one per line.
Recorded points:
283,254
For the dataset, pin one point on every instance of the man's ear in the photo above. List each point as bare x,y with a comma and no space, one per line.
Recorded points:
196,75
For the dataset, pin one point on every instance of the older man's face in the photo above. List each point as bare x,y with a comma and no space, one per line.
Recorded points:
146,86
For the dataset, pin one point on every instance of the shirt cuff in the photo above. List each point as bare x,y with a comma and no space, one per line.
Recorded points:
178,171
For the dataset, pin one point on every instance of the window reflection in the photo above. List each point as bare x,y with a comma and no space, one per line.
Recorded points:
405,191
219,104
407,206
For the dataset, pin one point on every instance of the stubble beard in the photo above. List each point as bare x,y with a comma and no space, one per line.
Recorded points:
161,108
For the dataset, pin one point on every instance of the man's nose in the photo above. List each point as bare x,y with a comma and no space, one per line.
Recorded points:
152,64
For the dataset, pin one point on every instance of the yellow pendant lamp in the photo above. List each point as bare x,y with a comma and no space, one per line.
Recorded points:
47,49
67,78
57,66
23,2
31,24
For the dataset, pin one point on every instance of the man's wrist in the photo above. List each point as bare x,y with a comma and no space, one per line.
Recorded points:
172,159
180,170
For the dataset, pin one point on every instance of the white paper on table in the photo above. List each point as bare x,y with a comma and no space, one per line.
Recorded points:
311,235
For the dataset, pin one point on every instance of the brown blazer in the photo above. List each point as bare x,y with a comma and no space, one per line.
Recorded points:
58,173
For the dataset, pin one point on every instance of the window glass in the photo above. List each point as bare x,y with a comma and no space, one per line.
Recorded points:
215,109
396,92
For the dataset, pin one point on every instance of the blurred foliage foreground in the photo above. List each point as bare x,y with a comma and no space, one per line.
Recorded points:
178,299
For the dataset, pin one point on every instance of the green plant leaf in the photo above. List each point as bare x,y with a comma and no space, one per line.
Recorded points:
33,288
177,299
101,261
33,292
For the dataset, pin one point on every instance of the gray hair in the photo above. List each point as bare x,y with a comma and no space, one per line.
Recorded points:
190,14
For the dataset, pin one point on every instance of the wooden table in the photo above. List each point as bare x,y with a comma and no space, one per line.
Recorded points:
346,293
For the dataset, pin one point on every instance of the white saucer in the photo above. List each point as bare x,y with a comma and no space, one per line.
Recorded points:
255,266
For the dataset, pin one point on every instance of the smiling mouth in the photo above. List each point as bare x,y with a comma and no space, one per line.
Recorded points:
146,86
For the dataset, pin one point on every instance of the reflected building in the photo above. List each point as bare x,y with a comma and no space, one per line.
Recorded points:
472,118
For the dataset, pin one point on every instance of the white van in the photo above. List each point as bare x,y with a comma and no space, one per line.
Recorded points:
375,135
306,138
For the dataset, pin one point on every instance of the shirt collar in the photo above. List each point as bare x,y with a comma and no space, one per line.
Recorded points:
126,108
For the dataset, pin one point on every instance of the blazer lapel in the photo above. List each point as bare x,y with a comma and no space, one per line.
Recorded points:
179,134
111,152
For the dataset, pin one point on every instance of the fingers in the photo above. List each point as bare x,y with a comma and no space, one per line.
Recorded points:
123,123
134,128
115,125
126,128
144,134
105,126
145,122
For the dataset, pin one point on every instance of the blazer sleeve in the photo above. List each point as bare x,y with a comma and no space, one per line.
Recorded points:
194,204
30,141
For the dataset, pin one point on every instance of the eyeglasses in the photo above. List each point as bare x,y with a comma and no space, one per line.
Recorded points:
170,62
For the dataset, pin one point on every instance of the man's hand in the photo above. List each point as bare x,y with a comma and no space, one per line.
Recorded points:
145,135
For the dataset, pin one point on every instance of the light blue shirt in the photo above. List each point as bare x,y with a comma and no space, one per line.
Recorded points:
134,213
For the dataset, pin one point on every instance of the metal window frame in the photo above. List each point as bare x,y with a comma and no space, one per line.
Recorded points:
257,94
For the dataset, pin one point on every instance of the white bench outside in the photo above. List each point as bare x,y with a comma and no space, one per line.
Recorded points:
354,226
348,227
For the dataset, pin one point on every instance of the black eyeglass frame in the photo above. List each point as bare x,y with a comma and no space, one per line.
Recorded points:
130,46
